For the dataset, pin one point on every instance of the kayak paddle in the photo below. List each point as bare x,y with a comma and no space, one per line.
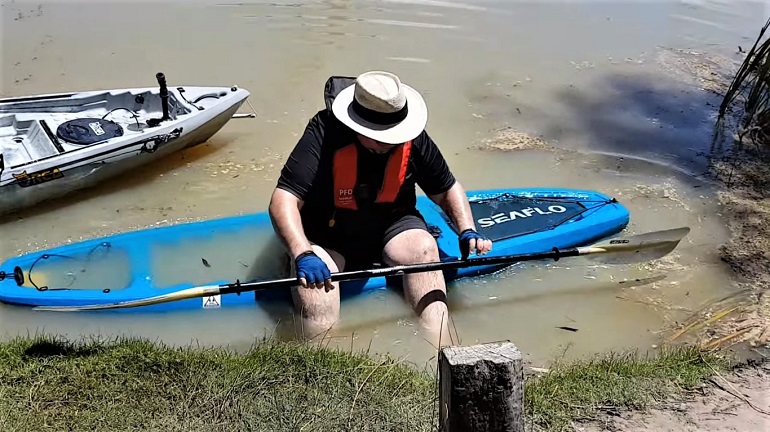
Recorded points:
643,247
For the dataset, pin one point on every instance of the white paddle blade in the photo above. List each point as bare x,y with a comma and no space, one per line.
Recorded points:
634,249
202,291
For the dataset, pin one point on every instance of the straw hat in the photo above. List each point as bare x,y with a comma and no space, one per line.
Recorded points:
379,106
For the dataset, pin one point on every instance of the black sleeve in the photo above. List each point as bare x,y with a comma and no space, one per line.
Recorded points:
299,171
432,171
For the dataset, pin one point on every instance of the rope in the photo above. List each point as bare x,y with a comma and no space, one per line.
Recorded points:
47,256
511,197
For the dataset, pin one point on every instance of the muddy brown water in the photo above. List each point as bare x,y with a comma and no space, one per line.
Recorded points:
604,83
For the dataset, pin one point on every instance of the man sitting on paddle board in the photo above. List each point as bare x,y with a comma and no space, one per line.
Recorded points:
346,199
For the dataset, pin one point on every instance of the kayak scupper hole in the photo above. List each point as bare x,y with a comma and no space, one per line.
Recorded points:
106,290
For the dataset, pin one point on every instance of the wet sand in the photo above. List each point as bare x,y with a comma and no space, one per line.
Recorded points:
601,86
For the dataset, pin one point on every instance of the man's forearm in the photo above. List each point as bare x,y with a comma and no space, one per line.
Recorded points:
455,204
287,223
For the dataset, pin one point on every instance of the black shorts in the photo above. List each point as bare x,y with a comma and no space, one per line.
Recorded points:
364,250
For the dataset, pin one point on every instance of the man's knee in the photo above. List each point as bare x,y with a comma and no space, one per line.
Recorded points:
411,247
316,318
333,260
322,309
317,307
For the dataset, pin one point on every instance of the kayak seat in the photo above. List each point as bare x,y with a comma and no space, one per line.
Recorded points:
40,142
87,131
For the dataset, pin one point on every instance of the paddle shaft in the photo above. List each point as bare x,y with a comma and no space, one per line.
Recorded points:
555,254
640,247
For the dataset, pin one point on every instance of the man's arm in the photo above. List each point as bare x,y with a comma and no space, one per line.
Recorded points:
455,204
437,181
295,181
287,223
442,188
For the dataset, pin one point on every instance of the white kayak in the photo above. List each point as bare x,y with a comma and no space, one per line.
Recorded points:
54,144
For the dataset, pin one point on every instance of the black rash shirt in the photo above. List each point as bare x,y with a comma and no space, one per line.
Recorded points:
307,172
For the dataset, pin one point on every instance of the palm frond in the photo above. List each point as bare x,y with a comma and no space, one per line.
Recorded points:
750,89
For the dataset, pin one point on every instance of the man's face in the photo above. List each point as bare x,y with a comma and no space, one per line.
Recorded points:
375,146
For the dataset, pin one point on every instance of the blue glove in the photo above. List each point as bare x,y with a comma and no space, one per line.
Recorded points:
465,241
311,268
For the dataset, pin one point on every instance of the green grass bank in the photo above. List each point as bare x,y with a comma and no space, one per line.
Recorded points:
52,384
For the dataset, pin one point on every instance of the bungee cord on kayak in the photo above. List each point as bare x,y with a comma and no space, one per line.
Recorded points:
71,274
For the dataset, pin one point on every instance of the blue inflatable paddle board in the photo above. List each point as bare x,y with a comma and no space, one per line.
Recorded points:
154,261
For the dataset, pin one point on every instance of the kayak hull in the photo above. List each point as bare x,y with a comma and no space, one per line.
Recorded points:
155,261
53,145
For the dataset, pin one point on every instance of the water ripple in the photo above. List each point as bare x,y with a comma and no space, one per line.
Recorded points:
411,24
410,59
437,3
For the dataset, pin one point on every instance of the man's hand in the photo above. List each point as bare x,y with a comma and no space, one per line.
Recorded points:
455,204
312,272
470,240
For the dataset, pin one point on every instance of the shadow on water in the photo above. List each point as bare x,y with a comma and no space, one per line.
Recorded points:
644,117
665,121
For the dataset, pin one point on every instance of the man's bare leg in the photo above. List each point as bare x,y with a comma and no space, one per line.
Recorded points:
319,310
426,291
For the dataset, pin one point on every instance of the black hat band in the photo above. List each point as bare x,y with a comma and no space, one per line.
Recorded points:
378,117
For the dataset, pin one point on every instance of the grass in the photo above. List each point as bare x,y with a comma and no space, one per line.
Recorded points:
51,384
580,390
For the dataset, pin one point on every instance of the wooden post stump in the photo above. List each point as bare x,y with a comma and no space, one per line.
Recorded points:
481,388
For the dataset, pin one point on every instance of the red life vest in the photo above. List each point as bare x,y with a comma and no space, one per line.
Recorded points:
345,175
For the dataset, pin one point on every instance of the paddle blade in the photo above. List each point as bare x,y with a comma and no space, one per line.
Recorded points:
202,291
638,248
